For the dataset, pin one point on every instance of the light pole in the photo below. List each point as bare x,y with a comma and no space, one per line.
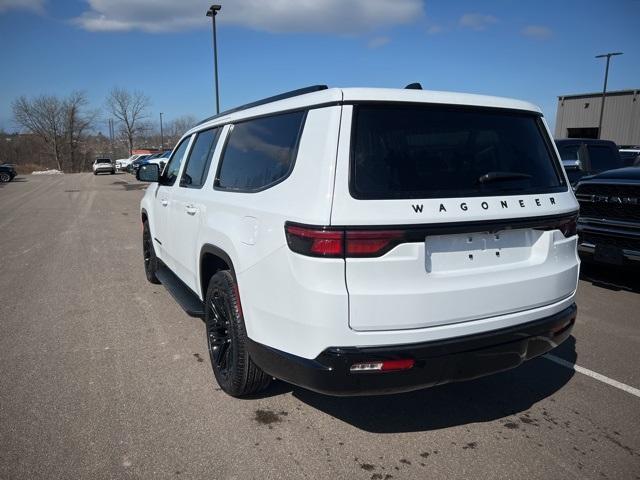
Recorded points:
604,89
212,12
161,134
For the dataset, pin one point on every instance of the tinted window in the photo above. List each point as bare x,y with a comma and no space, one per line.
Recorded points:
431,151
197,166
260,152
173,167
569,152
603,158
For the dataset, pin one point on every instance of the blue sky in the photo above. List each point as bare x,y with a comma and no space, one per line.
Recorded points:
528,50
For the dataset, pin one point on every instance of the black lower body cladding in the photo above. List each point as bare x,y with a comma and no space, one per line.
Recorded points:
438,362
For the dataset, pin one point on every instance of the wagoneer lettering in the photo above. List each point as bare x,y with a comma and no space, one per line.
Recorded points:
366,241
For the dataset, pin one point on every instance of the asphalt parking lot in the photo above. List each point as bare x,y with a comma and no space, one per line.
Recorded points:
103,376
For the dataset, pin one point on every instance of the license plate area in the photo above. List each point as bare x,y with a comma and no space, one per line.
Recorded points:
608,254
469,251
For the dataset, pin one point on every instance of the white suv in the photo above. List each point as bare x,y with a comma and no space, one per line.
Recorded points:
357,241
102,165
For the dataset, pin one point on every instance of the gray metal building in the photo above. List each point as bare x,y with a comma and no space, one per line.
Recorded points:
578,116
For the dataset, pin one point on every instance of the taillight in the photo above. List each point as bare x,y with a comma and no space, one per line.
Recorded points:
371,243
570,227
336,242
315,241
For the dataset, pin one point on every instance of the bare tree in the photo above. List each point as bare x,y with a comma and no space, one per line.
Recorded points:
178,127
44,117
77,122
130,109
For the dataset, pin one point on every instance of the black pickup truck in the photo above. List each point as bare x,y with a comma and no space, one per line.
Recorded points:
609,222
584,156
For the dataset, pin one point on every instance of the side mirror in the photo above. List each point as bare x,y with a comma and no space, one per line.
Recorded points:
148,173
572,164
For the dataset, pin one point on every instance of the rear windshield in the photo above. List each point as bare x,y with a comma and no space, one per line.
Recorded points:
431,151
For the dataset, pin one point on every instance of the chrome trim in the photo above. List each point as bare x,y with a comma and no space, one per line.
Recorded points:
586,247
606,221
610,181
633,255
611,231
571,163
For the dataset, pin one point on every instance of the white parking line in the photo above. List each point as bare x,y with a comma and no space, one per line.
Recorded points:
596,375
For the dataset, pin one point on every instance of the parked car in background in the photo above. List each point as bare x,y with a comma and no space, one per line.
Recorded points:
585,156
609,223
103,165
160,159
7,172
630,155
365,241
132,167
123,163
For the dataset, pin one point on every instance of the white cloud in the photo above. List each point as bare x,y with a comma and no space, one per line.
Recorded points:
435,29
477,21
36,6
276,16
377,42
538,32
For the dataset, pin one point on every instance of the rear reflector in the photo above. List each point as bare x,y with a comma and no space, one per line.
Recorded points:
384,366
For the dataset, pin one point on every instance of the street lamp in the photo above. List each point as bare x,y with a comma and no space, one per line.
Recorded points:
212,12
604,89
161,134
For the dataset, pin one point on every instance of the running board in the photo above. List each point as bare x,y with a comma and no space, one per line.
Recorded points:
182,294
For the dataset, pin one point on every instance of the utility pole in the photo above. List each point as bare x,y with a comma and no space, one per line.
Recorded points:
604,89
212,12
161,134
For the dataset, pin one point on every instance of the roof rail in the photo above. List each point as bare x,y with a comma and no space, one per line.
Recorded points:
275,98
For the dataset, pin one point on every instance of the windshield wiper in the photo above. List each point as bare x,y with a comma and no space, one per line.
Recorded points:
497,176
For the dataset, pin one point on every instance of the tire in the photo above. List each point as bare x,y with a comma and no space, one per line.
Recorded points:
149,255
95,173
113,172
232,366
5,177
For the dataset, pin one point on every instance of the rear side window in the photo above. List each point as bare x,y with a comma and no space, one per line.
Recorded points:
603,158
195,172
260,152
429,151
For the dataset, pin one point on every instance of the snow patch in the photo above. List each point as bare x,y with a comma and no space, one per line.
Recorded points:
53,171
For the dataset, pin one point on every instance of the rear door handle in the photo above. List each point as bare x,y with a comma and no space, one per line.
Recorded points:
164,202
190,209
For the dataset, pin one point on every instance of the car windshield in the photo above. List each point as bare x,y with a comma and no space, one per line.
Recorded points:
444,151
103,160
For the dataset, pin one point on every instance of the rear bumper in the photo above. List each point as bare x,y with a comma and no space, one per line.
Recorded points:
621,239
436,363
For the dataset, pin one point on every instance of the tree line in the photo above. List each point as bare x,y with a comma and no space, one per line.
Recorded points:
62,132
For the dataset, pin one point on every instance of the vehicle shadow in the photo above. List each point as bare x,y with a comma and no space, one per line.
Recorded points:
15,180
486,399
130,186
610,277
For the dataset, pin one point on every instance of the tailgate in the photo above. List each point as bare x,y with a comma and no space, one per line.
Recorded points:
460,277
